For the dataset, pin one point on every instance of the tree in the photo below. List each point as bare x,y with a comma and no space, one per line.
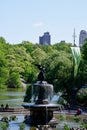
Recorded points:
14,80
84,51
2,40
63,47
38,55
28,46
59,71
4,72
30,74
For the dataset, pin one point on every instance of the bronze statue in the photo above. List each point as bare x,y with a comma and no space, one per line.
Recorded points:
41,75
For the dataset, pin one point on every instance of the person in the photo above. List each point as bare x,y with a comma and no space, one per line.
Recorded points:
68,107
79,112
7,106
2,107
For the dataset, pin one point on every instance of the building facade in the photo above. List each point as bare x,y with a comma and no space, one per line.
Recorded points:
82,37
45,39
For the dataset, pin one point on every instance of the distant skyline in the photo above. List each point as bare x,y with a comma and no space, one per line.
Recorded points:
22,20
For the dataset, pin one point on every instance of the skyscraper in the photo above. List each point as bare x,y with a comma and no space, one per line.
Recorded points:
45,39
82,37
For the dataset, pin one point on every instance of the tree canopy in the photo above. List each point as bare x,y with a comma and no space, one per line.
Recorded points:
17,61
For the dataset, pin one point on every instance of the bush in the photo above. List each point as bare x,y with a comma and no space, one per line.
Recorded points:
84,124
13,118
62,117
4,119
66,127
76,118
3,126
22,126
85,121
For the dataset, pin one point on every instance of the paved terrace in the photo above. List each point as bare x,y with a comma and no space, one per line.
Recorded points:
26,111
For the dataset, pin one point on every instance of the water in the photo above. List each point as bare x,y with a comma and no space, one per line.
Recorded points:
15,99
55,99
15,125
60,126
12,97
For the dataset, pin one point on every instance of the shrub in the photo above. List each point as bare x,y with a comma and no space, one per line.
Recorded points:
3,126
84,123
22,126
85,126
76,118
66,127
62,117
4,119
13,118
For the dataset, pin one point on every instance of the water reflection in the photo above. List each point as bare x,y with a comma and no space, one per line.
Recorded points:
13,97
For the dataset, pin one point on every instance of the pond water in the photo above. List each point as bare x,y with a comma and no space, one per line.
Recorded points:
15,98
12,97
15,125
60,126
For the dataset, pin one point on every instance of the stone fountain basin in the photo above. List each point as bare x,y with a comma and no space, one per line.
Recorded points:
52,107
41,114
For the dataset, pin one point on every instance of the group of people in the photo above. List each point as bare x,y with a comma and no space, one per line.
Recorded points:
4,107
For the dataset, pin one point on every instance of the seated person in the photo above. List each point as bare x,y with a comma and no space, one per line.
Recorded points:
7,106
2,107
79,112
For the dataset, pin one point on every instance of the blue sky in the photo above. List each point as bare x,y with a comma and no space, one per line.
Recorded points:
28,19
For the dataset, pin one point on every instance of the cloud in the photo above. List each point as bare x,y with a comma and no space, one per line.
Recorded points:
39,24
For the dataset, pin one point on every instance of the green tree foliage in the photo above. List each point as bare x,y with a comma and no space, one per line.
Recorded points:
29,46
82,75
59,71
84,51
14,80
4,72
82,96
48,49
17,61
38,55
30,74
63,47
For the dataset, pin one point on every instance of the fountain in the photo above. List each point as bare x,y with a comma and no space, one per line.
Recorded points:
41,111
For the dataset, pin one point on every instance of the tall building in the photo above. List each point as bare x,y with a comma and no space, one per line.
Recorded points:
82,37
45,39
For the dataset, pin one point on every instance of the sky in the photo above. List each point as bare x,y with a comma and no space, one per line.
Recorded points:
26,20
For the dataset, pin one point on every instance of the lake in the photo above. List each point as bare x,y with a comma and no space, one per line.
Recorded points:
13,97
